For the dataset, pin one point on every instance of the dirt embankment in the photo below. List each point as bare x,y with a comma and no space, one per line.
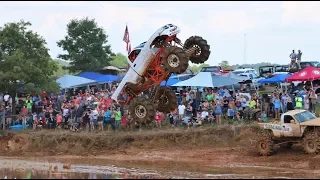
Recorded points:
50,143
227,149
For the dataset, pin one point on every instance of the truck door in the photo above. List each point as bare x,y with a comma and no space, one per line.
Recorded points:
291,127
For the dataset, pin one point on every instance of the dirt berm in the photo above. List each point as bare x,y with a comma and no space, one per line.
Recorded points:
56,142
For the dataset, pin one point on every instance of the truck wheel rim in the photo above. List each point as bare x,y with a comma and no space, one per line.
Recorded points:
141,111
173,60
164,101
198,51
263,146
311,145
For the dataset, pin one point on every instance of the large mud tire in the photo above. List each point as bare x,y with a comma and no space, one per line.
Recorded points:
174,60
203,49
167,100
311,143
142,110
265,144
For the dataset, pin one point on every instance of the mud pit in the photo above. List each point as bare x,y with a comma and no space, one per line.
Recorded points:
203,153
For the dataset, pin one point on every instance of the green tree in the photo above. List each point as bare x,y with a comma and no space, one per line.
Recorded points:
119,60
196,68
25,61
86,46
61,71
225,65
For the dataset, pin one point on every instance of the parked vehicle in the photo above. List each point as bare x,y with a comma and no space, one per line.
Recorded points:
304,64
254,78
245,70
266,71
215,69
281,69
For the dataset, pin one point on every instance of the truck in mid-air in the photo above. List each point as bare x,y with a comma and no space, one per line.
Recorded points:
153,62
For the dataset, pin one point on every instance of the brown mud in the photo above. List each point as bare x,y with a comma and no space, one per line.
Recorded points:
224,152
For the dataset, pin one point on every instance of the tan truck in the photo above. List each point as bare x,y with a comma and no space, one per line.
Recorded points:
296,126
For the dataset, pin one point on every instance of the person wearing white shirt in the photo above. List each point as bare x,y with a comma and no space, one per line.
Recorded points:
181,109
204,114
6,99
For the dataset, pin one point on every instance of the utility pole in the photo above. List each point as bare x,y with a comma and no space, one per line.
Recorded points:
245,49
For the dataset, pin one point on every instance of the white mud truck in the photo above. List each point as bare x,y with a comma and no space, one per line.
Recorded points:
296,126
153,62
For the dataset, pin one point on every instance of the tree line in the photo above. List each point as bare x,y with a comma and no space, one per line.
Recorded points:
25,61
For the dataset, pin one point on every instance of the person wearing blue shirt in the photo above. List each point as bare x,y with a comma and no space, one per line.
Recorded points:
221,92
277,106
107,118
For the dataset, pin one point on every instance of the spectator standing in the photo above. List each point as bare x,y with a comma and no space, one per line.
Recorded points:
158,119
189,110
171,119
231,113
293,57
51,121
181,109
29,104
313,101
218,112
306,103
225,107
100,120
94,120
289,104
277,106
284,102
117,118
6,99
107,118
299,59
298,101
59,120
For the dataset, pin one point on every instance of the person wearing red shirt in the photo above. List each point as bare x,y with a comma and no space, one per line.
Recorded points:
75,100
44,94
107,102
158,119
24,111
45,103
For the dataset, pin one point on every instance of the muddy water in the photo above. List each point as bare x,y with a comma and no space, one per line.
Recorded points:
26,169
20,169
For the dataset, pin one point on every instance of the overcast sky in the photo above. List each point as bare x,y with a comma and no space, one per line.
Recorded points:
273,28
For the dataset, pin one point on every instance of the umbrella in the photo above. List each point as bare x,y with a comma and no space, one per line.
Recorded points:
307,74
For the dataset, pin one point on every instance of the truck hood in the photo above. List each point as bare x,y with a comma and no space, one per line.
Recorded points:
314,122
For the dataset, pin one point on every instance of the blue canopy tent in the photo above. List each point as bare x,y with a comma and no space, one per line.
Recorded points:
101,78
278,78
207,79
69,81
90,75
107,78
170,82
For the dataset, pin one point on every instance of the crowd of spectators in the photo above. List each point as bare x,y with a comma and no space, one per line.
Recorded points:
94,109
